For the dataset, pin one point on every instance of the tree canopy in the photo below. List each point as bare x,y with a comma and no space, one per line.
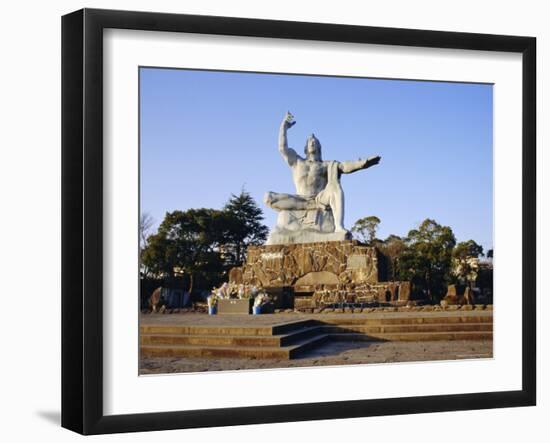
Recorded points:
465,256
366,228
392,248
428,256
204,241
187,242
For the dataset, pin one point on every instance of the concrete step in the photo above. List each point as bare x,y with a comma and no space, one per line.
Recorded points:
206,330
211,340
408,320
413,336
194,351
231,340
296,336
283,328
254,352
297,349
428,327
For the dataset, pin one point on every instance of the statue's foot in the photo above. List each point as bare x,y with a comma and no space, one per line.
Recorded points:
341,230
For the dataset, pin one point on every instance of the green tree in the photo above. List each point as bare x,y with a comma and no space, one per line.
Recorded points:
393,247
245,226
465,256
187,243
197,242
366,228
427,259
468,249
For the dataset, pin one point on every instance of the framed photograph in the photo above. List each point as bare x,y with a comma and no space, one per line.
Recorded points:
268,221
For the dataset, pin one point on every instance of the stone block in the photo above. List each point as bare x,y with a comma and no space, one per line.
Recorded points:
452,297
235,306
404,291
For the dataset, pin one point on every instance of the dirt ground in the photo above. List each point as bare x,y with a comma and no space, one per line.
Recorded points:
333,353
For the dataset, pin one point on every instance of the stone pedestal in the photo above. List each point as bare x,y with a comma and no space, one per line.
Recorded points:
310,275
313,273
306,265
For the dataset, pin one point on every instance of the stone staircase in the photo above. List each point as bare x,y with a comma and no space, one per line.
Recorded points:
291,339
283,341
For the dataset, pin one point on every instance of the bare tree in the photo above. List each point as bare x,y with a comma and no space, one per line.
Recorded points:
146,222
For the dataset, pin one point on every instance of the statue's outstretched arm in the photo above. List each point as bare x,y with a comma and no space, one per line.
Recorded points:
288,154
352,166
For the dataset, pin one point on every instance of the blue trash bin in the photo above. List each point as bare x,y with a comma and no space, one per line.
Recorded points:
256,310
212,310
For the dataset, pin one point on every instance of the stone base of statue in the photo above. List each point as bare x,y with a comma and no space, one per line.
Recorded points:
319,274
311,226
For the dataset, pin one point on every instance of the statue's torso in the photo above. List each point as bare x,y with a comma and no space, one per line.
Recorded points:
310,177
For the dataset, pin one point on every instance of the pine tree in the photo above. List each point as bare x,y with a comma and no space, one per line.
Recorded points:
247,228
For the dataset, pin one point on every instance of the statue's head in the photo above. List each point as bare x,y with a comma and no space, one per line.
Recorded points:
313,148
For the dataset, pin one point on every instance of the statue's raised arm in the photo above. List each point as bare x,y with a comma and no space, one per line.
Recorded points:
352,166
288,154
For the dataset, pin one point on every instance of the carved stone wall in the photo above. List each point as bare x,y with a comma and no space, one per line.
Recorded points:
326,263
318,274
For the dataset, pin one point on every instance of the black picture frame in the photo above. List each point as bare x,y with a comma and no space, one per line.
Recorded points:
82,215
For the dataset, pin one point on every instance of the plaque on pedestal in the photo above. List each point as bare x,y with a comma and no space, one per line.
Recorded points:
235,306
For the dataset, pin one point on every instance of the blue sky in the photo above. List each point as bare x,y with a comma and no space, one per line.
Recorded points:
205,135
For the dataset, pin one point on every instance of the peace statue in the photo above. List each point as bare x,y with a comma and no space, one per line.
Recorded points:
316,212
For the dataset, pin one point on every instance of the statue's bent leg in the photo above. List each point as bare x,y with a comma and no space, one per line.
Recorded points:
333,196
286,202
